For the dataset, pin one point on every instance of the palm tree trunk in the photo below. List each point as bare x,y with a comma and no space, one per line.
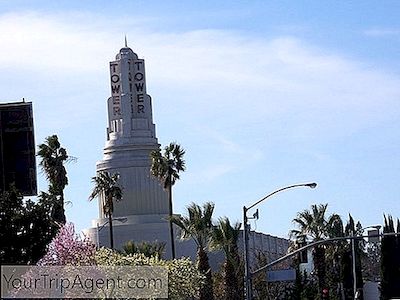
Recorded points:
231,281
58,212
319,266
111,231
206,292
62,210
171,228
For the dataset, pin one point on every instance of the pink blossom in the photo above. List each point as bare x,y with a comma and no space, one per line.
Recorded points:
68,248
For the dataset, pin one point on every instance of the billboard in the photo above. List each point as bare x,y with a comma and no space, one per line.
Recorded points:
17,148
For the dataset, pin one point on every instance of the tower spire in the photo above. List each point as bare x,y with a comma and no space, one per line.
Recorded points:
126,43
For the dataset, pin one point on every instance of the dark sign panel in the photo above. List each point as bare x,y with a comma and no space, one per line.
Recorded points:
17,148
281,275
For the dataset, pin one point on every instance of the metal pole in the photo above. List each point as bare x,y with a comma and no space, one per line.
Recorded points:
246,230
98,236
247,278
320,242
310,185
354,265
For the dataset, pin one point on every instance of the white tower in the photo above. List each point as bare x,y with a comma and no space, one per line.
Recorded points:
142,213
131,137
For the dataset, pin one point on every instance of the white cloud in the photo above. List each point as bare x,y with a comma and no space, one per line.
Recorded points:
225,79
208,174
44,43
252,112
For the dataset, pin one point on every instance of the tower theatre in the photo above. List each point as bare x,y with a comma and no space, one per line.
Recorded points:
142,213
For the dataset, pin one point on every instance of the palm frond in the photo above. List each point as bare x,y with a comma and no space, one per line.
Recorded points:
106,185
167,166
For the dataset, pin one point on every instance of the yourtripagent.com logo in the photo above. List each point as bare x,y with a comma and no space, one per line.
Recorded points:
84,282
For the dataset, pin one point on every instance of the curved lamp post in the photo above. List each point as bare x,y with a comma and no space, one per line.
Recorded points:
353,258
246,230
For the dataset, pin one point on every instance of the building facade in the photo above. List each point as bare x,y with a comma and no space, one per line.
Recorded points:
131,136
142,213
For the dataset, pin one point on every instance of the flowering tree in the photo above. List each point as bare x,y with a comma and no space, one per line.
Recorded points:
68,248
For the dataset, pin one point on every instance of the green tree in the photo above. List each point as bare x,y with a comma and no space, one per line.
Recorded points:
26,228
352,228
336,255
371,261
198,226
225,237
53,157
184,279
155,249
107,189
166,168
315,225
390,262
260,282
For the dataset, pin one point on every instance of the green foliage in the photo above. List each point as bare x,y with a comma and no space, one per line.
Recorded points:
218,284
371,262
146,248
309,289
166,168
184,280
53,158
202,264
347,259
315,226
198,226
332,262
314,223
225,237
26,228
271,290
106,185
260,283
390,261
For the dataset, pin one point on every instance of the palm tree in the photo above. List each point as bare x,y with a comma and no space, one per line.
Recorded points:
53,157
316,226
225,237
166,168
107,185
198,226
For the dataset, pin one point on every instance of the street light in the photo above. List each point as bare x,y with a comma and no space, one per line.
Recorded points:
353,258
246,230
99,228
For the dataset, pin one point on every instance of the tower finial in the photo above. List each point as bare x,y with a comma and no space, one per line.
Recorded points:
126,43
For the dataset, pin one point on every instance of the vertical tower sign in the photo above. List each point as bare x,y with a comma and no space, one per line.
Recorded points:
115,89
129,107
131,137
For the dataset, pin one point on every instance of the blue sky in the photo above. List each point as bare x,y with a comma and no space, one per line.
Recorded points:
261,94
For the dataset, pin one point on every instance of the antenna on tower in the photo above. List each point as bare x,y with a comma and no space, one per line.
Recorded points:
126,43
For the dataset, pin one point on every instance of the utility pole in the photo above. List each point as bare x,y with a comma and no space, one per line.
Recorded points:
246,231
